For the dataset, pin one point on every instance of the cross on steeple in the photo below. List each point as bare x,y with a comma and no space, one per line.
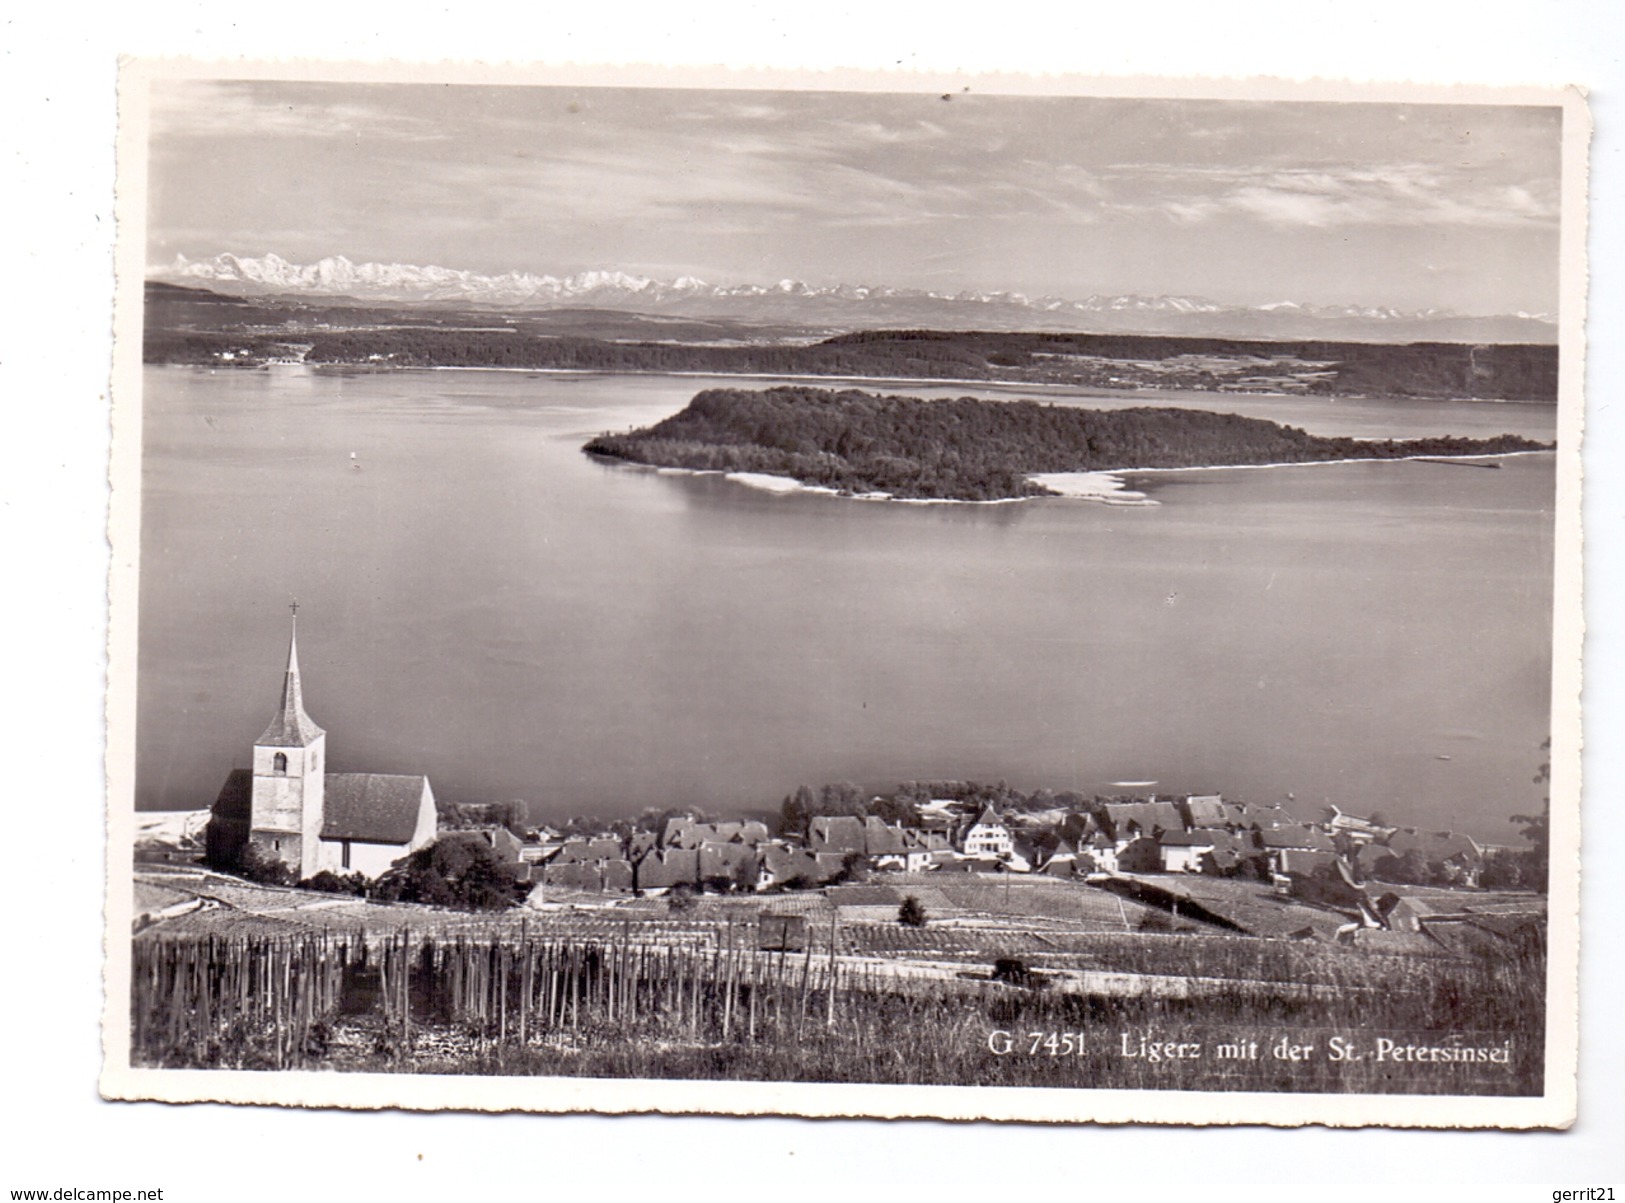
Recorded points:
294,607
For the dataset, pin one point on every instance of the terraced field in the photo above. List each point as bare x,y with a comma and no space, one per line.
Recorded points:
974,920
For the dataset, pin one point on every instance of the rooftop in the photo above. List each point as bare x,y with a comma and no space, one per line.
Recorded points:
377,808
291,727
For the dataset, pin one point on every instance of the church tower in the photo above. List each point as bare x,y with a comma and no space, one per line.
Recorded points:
289,774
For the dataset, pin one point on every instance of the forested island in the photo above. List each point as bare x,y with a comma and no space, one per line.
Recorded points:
973,450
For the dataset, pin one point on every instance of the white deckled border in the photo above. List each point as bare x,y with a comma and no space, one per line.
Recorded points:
1555,1109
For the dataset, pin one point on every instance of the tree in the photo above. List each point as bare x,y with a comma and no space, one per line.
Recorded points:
1040,799
329,882
1504,870
514,815
583,826
912,912
680,898
896,810
463,815
854,867
256,864
913,793
1537,828
797,812
1410,869
455,872
842,798
1045,842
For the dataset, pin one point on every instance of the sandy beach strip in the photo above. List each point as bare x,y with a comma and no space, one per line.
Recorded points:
1108,487
1105,487
1319,463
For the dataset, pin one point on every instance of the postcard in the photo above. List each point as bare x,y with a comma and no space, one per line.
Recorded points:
994,598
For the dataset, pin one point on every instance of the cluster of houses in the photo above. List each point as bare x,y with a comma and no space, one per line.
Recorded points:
276,355
1204,833
1198,833
289,808
737,856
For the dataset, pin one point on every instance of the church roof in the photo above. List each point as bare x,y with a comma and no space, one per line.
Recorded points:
378,808
292,727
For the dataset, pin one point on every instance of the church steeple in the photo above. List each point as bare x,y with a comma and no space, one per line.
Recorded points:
292,727
288,798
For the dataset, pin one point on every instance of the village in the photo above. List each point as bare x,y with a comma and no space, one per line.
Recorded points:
350,920
1191,862
1353,869
723,948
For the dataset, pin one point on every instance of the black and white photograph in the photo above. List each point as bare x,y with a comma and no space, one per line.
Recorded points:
1022,599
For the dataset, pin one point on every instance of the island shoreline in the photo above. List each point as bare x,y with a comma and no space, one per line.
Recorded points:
1112,489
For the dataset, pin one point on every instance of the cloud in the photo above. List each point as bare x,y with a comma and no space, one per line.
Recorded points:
1326,197
750,184
835,171
246,110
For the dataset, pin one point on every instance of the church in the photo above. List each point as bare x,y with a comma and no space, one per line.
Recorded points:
290,809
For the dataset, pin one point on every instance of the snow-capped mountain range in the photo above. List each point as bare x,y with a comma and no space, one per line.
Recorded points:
336,277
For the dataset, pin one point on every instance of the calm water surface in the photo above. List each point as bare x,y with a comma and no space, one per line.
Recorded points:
483,603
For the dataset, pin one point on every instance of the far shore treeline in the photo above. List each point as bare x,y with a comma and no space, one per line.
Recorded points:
972,450
191,326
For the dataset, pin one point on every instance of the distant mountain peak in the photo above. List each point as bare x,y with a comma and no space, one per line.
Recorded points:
843,304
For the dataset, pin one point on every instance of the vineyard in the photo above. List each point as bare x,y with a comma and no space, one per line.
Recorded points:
226,974
638,1003
275,1002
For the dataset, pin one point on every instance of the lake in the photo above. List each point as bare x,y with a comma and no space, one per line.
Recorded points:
481,602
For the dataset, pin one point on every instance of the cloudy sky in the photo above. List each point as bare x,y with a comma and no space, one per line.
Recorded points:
1415,206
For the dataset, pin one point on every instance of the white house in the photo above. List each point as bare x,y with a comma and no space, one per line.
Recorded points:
1182,851
988,836
1103,852
918,860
